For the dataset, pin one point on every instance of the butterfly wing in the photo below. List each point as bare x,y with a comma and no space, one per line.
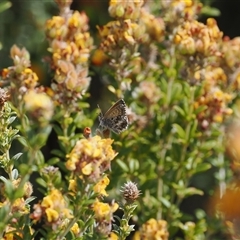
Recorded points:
115,118
120,124
118,109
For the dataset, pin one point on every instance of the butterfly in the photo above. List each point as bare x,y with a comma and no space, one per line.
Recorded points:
115,118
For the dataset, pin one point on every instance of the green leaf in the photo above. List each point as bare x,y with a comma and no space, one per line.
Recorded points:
179,130
203,167
176,92
23,141
30,199
16,156
122,165
83,104
111,89
38,140
53,161
186,90
179,110
5,5
58,153
39,158
193,129
186,106
14,174
165,202
4,212
18,193
41,182
11,120
58,130
133,165
9,189
210,11
208,145
200,109
185,192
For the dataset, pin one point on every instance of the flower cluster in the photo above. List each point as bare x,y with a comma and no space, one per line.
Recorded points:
70,45
53,209
233,147
213,98
101,186
39,105
19,204
117,35
205,64
193,37
154,26
153,229
231,50
120,39
230,61
90,158
124,9
19,78
147,92
104,216
19,207
176,12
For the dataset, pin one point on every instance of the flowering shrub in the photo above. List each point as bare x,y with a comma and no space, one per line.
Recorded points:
180,81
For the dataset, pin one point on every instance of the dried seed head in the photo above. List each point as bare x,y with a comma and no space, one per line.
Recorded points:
130,191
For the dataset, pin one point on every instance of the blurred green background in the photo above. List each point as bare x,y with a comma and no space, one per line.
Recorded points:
23,24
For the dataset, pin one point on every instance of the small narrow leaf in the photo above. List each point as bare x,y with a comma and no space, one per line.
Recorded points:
16,156
179,130
123,166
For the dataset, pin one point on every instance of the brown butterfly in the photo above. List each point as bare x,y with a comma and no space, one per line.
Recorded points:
115,118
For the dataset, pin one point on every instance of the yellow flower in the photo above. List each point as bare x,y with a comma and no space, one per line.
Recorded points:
55,206
115,35
136,236
101,209
113,236
87,170
91,157
39,106
11,233
52,215
125,9
154,229
20,206
75,229
56,28
78,20
101,185
70,46
193,36
154,27
72,185
104,210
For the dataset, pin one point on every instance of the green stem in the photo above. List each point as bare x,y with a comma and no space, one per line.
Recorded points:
222,171
184,149
67,230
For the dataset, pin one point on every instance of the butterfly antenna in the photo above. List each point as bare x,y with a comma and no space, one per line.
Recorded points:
100,110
